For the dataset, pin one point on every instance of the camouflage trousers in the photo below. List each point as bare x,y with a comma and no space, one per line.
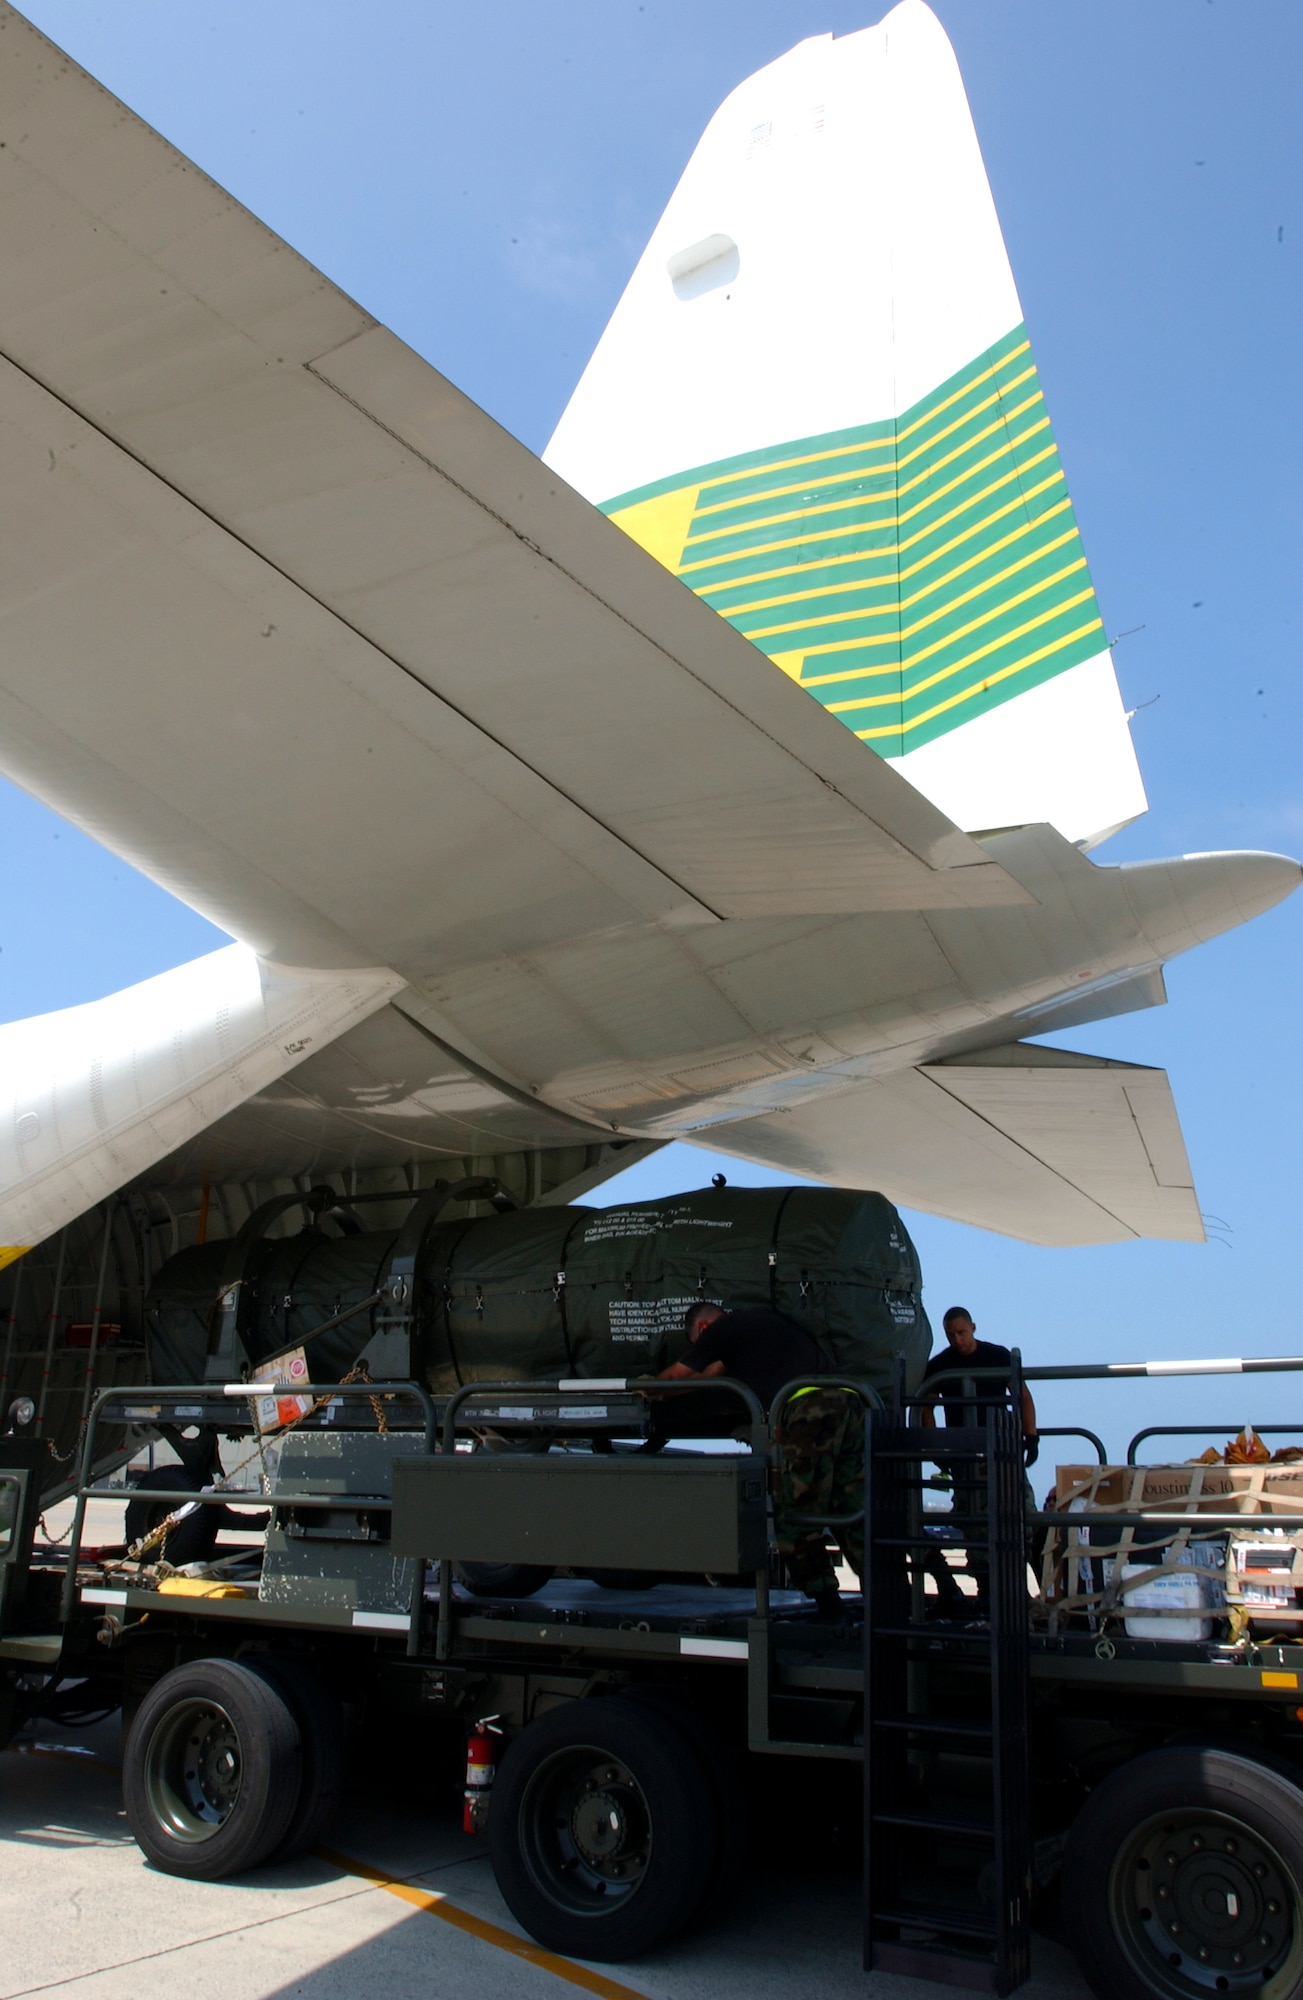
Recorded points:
822,1472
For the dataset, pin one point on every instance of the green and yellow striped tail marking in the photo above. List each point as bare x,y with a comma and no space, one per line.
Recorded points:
911,574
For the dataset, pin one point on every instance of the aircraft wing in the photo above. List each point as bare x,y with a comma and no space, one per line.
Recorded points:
525,844
302,633
1042,1144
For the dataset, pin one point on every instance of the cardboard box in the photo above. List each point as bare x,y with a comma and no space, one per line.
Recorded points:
1266,1572
1213,1489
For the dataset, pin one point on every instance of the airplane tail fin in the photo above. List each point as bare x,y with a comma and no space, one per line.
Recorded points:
816,403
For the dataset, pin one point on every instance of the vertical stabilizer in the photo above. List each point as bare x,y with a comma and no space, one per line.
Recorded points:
817,404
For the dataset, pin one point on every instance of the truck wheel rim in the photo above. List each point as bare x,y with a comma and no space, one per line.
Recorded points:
192,1770
586,1831
1203,1904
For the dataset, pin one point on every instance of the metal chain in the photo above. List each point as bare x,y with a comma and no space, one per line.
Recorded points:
66,1457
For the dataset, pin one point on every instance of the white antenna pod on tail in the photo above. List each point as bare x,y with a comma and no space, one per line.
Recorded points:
816,403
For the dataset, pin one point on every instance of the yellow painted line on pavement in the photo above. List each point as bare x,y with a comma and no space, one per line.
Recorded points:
437,1904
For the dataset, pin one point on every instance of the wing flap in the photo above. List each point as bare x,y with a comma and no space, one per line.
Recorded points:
249,435
398,390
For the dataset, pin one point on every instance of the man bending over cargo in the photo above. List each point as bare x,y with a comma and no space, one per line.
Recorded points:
821,1435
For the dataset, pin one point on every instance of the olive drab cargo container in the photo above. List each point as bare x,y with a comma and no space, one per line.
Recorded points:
545,1293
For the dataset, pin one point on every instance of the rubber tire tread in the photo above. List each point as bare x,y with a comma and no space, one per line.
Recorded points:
192,1540
1267,1795
271,1760
726,1787
502,1579
321,1731
680,1805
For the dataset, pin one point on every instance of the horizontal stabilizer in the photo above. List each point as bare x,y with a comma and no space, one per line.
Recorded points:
1037,1143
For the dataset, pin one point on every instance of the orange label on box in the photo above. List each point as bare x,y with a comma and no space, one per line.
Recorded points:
1280,1680
275,1411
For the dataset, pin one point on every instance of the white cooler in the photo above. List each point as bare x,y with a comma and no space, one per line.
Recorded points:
1196,1587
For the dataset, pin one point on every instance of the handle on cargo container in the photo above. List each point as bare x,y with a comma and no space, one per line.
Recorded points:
400,1274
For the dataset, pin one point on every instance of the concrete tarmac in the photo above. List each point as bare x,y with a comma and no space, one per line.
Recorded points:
86,1918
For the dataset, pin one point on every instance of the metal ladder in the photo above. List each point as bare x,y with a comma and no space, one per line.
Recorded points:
948,1835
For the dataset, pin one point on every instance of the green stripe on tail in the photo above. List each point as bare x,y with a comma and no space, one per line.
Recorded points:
911,574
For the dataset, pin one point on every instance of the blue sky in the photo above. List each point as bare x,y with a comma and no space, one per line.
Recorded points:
483,180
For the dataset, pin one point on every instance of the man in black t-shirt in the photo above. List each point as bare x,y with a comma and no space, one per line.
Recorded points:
755,1345
962,1350
821,1434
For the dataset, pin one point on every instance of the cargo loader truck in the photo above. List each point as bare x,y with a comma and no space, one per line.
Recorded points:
573,1575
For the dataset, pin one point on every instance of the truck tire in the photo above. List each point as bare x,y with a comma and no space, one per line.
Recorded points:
722,1775
502,1579
602,1829
1182,1878
212,1773
321,1733
192,1540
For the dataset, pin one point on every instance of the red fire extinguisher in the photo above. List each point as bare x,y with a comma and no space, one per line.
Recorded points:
481,1752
